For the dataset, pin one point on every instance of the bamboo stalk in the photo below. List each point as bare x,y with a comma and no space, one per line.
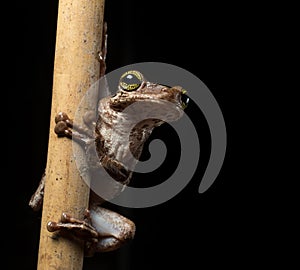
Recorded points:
76,68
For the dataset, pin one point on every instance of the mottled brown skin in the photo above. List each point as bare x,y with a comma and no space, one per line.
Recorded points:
111,110
102,229
107,134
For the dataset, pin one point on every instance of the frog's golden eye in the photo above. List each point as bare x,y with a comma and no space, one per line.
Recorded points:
131,80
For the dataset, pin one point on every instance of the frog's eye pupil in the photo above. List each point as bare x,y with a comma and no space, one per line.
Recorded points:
131,80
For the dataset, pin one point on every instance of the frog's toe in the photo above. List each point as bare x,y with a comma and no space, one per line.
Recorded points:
61,129
62,116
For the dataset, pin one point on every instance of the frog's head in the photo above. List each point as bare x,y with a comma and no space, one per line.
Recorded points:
133,87
133,112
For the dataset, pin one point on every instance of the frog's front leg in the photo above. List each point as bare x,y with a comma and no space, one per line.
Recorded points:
65,127
102,229
103,52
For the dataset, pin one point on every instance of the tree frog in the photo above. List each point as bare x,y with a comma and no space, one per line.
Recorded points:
102,229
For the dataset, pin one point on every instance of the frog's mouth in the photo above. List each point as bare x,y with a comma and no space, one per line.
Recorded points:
175,95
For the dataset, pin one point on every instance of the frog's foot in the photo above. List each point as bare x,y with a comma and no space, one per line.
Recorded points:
80,229
65,127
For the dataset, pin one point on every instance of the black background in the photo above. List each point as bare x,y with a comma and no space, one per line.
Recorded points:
217,42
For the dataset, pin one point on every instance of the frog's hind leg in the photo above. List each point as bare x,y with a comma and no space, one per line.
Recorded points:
101,229
36,200
114,229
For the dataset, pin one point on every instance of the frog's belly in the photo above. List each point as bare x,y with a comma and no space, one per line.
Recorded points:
104,185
